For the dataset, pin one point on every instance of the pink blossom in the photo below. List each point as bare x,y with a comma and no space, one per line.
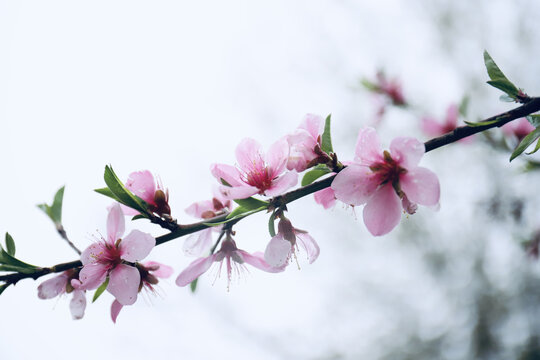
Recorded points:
303,143
256,173
62,284
325,197
234,262
149,272
518,129
386,181
142,184
390,88
200,242
107,259
432,127
284,245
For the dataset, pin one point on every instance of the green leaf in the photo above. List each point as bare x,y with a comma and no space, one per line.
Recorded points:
237,211
100,289
536,148
193,285
534,119
54,211
314,174
251,203
482,123
369,85
524,144
239,216
498,79
20,269
506,98
122,194
138,216
271,227
107,192
326,144
10,245
7,259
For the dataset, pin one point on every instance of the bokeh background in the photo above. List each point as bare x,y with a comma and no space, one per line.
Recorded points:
173,86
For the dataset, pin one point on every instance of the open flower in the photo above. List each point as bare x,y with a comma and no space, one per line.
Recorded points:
256,173
386,181
111,258
62,284
518,129
150,271
234,259
303,141
142,184
200,242
284,245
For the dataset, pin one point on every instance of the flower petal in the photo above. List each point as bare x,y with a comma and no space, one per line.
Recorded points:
431,127
115,224
194,270
237,192
124,281
368,148
257,260
115,310
136,246
52,287
312,124
92,253
249,157
452,114
325,197
199,243
421,186
301,145
282,183
197,209
277,156
407,151
77,304
383,211
142,184
92,275
226,172
163,271
355,184
309,244
278,251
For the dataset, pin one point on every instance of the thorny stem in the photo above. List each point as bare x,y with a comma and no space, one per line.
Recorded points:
530,106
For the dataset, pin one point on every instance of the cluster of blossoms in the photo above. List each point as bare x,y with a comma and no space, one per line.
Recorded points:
385,181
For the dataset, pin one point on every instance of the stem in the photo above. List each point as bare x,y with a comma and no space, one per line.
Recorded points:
64,236
530,106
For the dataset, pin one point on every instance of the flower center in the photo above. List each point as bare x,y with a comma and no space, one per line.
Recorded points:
260,178
110,255
388,170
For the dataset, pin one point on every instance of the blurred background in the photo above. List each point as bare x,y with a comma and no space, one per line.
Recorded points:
174,86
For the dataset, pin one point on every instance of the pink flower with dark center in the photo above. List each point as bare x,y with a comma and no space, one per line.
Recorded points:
112,257
284,245
149,271
234,260
62,284
518,129
256,173
199,243
303,143
390,88
142,184
386,181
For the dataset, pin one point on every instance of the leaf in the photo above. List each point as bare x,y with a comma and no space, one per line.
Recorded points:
498,79
314,174
138,216
506,98
536,148
107,192
251,203
239,216
123,195
54,211
482,123
271,227
19,269
193,285
7,259
3,287
534,119
326,144
100,289
237,211
369,85
524,144
10,245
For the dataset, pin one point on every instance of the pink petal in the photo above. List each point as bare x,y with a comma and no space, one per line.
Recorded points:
355,184
452,114
115,310
301,146
383,211
163,271
136,246
128,211
77,304
257,260
92,275
92,253
198,244
248,155
368,149
142,184
277,156
277,251
421,186
238,192
226,172
407,151
309,245
325,197
194,270
115,224
52,287
312,124
282,183
124,281
431,127
199,208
